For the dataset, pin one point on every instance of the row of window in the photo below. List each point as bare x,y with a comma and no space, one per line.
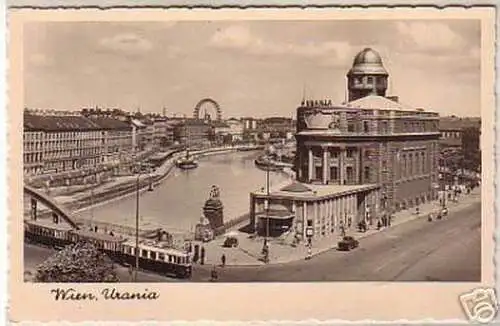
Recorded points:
383,126
59,166
451,134
160,256
369,81
412,164
40,136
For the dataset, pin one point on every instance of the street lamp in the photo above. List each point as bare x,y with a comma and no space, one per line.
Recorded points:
265,248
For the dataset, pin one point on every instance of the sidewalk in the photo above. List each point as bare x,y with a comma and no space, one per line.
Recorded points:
248,251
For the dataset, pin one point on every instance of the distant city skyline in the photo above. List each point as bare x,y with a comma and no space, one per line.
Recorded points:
254,68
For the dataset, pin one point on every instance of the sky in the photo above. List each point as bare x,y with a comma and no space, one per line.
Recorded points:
251,68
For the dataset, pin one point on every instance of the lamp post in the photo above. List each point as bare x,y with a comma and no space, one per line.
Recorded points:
137,226
265,248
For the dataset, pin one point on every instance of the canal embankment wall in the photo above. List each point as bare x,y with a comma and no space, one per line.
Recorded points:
97,196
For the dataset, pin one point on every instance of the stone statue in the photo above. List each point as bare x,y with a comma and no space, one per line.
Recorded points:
335,124
214,192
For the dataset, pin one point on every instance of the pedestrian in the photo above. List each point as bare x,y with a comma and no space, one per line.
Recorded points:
213,275
196,255
223,260
202,256
95,228
309,253
379,225
349,222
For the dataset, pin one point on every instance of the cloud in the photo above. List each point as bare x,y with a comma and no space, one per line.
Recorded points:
242,39
128,44
430,36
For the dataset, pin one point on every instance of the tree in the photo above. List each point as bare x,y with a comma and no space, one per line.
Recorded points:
81,263
470,148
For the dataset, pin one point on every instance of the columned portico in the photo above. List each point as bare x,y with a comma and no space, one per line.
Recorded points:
341,165
310,164
326,166
323,207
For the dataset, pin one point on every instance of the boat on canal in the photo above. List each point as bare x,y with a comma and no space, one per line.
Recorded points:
187,162
264,163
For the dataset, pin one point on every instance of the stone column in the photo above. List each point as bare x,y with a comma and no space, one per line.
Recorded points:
341,165
304,220
326,166
357,162
316,224
310,165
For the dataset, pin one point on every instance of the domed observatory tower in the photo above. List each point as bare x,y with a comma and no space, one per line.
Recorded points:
367,75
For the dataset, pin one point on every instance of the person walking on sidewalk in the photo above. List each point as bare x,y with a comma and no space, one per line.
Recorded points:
223,260
202,256
309,252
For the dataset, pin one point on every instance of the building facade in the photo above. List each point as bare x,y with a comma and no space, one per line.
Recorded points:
452,128
59,142
193,132
65,148
356,162
116,139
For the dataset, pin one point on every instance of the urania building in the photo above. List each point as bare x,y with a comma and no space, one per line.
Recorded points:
360,160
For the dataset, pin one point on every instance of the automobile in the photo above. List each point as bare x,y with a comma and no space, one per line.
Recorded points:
347,243
231,242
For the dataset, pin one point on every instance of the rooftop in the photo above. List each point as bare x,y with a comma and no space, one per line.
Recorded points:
376,102
311,191
456,123
58,123
110,123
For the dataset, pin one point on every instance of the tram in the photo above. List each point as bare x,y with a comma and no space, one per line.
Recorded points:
152,255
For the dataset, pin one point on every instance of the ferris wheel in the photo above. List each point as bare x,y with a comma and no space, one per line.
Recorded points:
205,107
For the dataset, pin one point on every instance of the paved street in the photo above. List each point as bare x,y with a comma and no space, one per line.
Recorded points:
418,250
446,250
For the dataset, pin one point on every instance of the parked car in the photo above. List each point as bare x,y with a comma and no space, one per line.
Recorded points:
347,243
231,242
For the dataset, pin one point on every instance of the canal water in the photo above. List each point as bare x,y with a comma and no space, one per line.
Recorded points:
176,204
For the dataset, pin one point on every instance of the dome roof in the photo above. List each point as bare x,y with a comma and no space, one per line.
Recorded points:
368,61
296,187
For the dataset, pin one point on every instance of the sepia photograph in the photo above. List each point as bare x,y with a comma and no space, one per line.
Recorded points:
257,164
252,151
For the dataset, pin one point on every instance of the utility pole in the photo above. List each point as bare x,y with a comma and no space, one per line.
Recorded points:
137,228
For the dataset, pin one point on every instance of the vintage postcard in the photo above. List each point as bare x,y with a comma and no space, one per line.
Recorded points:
271,164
